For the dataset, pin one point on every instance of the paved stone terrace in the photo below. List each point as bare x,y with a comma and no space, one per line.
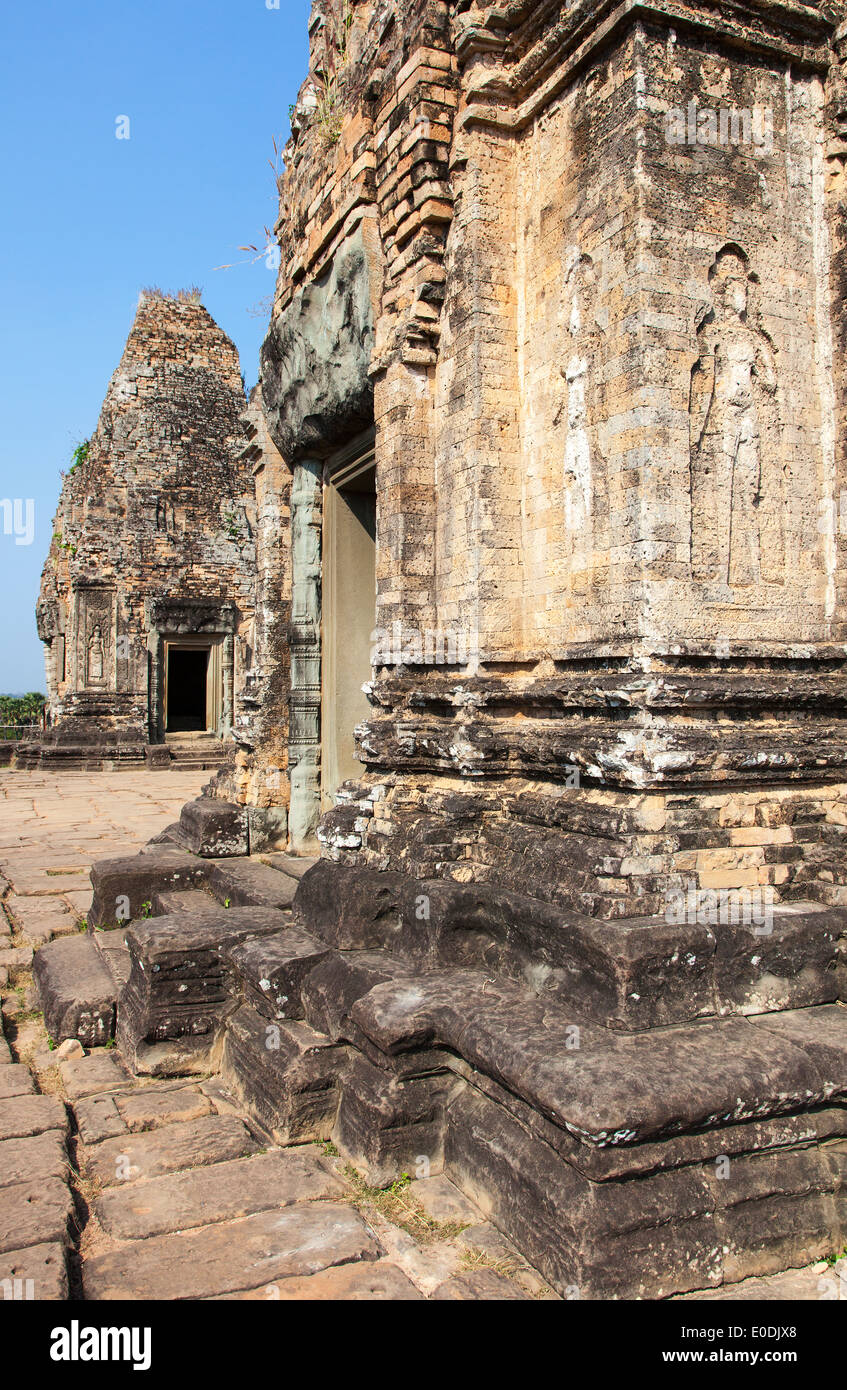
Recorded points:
116,1187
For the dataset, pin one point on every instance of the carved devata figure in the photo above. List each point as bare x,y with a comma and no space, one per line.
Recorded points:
736,502
96,658
584,471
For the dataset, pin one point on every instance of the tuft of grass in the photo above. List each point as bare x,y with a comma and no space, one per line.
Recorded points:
477,1259
193,294
397,1205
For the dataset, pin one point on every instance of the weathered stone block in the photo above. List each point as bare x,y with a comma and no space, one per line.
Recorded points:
272,970
22,1117
212,1139
223,1192
182,977
225,1257
247,883
34,1213
209,828
351,909
76,991
122,886
40,1271
286,1074
385,1124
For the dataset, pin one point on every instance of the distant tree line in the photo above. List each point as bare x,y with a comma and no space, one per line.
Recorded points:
18,710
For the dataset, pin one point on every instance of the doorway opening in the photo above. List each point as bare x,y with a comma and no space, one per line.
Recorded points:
186,702
349,614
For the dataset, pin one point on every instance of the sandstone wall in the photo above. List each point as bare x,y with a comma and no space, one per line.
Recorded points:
605,367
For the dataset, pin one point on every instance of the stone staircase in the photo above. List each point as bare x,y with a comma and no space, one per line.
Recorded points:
193,873
204,751
583,1082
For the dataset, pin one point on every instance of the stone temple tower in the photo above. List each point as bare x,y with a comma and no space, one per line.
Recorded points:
556,368
147,593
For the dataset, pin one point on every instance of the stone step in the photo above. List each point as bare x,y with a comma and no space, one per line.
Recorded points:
167,901
122,886
232,1256
199,752
610,1088
124,1159
271,971
665,1232
224,1192
630,974
182,982
284,1074
250,883
188,760
76,991
330,989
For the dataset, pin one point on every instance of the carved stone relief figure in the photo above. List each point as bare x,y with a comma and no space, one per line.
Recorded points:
96,658
736,501
165,516
94,644
585,484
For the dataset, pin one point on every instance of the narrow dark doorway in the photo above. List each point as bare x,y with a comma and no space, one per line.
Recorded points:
187,681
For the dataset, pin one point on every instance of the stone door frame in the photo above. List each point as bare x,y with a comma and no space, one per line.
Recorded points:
310,479
214,670
192,622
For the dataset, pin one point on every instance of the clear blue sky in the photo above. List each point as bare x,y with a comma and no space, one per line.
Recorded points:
88,219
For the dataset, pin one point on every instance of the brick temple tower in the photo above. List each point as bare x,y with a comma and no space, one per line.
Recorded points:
148,591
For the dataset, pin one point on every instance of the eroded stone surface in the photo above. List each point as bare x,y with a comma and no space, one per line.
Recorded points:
76,991
210,1140
485,1284
41,1156
368,1281
44,1265
15,1081
27,1115
223,1192
34,1213
232,1255
92,1075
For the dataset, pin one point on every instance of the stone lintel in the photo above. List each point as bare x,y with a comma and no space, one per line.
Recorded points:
510,96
